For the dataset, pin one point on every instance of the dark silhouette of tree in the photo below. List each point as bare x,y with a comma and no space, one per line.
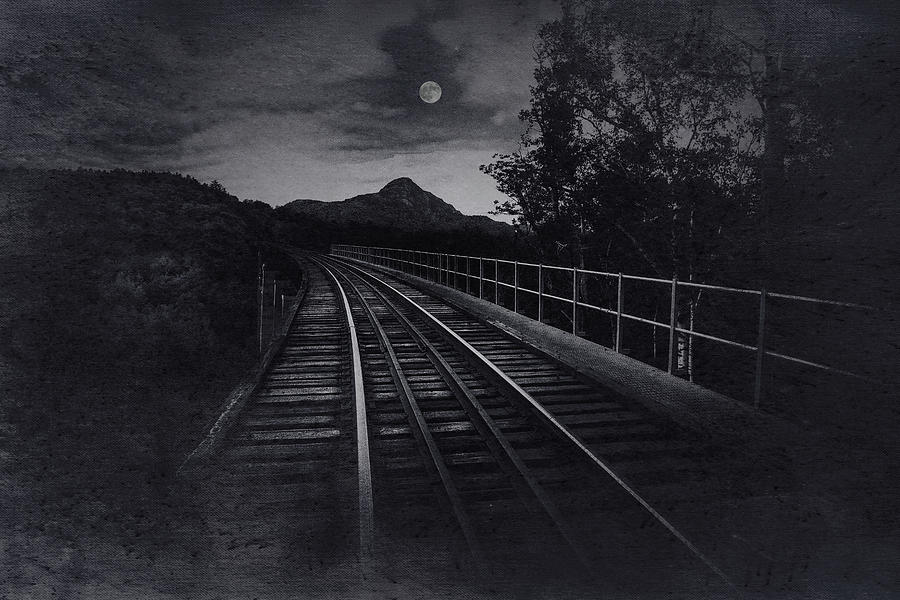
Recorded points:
215,186
633,141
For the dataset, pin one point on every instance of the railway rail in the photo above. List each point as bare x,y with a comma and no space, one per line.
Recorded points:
392,423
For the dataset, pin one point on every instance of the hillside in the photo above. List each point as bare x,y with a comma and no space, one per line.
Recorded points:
127,307
401,205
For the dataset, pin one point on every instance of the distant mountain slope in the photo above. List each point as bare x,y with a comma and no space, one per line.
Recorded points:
401,204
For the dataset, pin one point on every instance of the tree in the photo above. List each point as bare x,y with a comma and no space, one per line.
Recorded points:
632,140
217,187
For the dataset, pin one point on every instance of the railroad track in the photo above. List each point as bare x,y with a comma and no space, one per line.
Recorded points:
279,465
392,424
424,394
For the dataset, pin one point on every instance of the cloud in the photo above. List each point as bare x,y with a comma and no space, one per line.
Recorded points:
462,46
118,81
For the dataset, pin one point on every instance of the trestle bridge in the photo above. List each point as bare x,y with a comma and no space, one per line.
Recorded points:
392,425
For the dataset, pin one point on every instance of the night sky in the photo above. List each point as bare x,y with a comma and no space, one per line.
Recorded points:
279,100
276,100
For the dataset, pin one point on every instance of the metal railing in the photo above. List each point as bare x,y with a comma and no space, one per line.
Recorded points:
446,269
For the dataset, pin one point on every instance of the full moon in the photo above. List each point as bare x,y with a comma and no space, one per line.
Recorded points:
430,92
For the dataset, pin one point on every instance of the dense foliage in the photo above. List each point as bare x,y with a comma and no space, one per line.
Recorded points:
129,306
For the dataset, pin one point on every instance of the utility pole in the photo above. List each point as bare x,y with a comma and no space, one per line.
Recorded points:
274,306
262,286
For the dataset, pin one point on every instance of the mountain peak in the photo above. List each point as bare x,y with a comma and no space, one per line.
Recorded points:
402,185
402,205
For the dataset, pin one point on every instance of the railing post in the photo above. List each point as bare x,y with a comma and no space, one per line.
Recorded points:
455,271
619,304
540,293
496,282
516,287
672,325
574,299
468,265
758,388
480,277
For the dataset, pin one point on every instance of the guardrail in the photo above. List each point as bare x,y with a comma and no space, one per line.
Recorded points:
446,269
